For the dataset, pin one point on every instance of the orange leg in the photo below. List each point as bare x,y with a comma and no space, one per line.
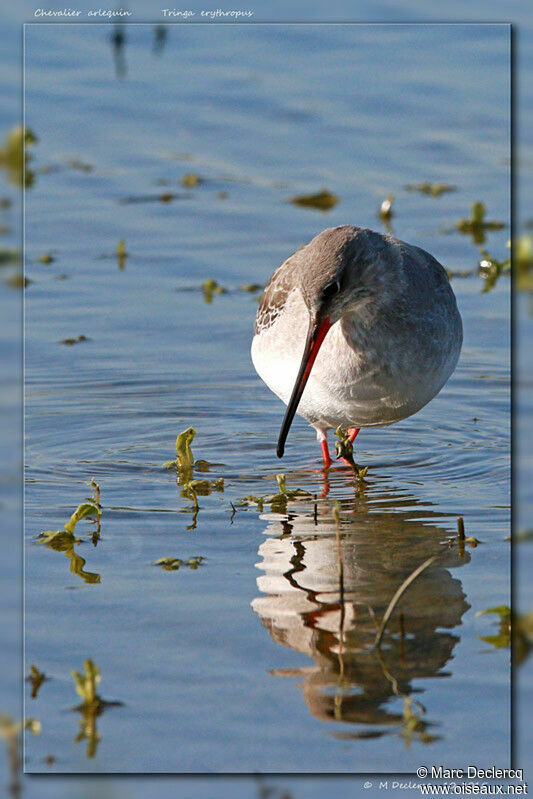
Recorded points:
352,432
325,454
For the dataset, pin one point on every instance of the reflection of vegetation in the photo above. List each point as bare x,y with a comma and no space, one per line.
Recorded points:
11,731
14,154
414,727
462,539
323,200
92,705
65,540
397,596
36,678
475,225
433,189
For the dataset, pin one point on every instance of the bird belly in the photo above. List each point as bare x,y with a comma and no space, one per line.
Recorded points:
348,387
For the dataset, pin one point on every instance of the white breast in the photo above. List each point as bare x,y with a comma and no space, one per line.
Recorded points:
348,386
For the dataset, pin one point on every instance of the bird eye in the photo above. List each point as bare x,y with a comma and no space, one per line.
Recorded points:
330,289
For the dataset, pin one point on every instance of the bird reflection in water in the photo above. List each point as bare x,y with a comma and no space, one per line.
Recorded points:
326,587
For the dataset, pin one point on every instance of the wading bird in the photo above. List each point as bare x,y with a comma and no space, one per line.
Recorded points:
356,329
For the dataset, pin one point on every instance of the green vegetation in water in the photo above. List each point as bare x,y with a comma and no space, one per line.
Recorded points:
476,225
514,628
91,706
202,465
344,449
521,537
11,731
252,288
522,637
278,502
503,638
385,209
184,464
80,166
122,254
184,457
46,258
432,189
191,179
18,281
86,684
523,262
9,256
210,288
64,540
15,154
36,678
461,539
71,341
323,200
173,564
491,269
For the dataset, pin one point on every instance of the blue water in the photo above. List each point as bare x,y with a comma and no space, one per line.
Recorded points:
122,398
237,666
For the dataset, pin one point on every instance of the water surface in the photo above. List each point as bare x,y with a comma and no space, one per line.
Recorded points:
260,659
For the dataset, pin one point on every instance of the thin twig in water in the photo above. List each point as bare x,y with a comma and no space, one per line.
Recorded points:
394,601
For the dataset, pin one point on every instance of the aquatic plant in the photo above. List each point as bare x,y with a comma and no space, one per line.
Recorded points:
11,732
433,189
173,564
91,706
191,179
210,288
323,200
385,209
344,449
14,156
64,540
476,225
36,678
122,254
278,502
71,341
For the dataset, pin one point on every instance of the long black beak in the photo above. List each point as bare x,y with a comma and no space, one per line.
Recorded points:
315,336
